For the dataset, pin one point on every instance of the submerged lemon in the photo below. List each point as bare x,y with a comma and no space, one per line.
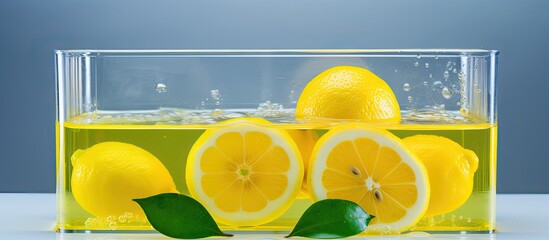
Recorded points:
347,92
244,174
451,171
107,176
374,169
305,140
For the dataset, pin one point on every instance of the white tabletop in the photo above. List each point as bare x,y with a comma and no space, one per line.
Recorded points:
32,216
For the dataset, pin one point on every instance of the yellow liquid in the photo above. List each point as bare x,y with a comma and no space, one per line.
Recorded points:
171,144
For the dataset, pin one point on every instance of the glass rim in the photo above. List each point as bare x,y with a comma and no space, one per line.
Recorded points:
280,52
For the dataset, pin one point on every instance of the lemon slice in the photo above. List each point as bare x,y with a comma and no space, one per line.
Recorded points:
372,168
244,174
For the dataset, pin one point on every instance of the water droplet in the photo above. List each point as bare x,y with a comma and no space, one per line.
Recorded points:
460,75
410,98
426,65
446,74
406,87
161,88
215,94
416,63
446,93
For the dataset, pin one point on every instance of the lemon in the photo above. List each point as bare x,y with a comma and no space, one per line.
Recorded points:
451,171
305,140
244,173
107,176
374,169
347,92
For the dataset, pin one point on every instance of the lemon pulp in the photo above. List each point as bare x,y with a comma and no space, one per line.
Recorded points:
243,173
372,168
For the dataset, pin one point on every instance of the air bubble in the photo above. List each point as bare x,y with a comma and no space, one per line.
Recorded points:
425,83
396,70
202,103
455,70
112,225
446,93
446,74
416,63
418,56
436,56
426,65
468,220
430,75
477,91
437,84
406,87
122,219
217,112
410,98
161,88
458,104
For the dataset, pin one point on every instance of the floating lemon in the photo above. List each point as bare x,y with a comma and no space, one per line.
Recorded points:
347,92
451,171
107,176
243,173
373,168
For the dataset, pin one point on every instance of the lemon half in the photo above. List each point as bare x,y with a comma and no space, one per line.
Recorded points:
372,168
243,173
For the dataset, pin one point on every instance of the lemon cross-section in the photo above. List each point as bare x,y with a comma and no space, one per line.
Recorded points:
244,174
372,168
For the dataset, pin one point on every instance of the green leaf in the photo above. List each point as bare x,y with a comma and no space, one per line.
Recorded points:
179,216
332,218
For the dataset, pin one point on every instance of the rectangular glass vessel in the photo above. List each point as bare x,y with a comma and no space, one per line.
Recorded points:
162,102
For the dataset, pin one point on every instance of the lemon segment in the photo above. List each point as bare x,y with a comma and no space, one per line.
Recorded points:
451,171
348,92
243,173
107,176
372,168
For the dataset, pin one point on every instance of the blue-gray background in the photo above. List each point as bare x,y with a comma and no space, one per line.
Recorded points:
31,29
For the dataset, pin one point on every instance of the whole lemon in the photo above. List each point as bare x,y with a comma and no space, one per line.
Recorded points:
107,176
348,92
451,170
305,141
